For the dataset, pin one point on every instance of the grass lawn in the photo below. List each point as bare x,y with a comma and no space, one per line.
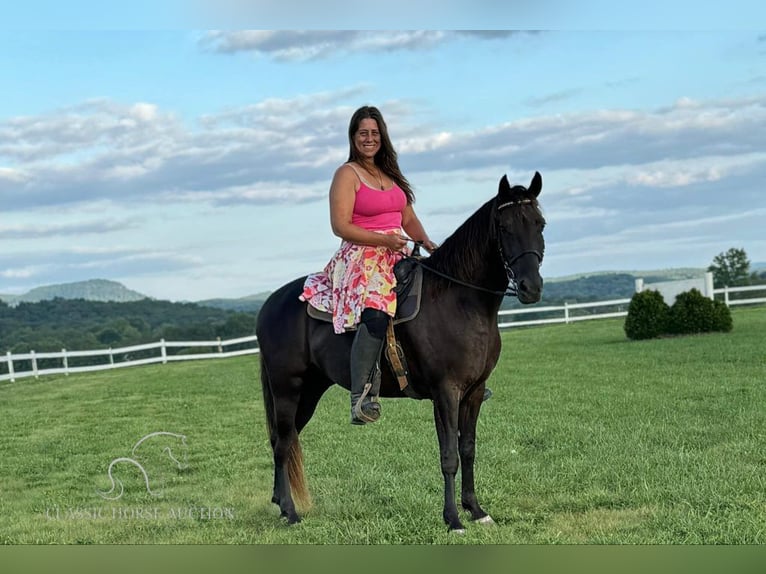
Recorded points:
589,439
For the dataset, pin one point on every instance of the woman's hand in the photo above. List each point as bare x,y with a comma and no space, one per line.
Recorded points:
394,241
412,226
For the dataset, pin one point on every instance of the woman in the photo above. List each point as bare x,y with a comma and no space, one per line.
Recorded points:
370,209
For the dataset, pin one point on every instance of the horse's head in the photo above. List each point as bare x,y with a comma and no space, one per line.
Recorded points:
520,225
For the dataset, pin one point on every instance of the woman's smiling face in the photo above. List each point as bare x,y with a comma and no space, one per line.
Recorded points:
367,138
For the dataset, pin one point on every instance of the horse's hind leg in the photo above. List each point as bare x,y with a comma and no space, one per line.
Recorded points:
469,414
314,386
284,438
293,414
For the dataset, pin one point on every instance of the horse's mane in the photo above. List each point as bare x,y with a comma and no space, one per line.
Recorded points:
467,249
464,250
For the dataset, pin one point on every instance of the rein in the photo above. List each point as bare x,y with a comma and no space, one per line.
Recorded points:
511,290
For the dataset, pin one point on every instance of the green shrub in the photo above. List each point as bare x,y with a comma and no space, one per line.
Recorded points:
647,315
722,320
692,312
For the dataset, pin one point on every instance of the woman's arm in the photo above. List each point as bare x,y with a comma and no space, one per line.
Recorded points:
412,226
342,197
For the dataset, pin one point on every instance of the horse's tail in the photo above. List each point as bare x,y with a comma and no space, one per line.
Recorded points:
295,474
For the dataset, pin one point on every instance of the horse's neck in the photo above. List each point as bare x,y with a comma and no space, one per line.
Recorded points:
487,270
473,260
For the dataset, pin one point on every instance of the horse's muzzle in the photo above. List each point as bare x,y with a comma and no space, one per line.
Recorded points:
529,291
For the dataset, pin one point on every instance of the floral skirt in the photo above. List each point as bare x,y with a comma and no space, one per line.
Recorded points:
357,277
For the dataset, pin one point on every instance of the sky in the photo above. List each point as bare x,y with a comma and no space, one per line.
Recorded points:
190,157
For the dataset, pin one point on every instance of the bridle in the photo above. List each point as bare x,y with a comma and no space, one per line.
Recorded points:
512,289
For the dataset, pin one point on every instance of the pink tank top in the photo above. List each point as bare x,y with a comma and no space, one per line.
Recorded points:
378,210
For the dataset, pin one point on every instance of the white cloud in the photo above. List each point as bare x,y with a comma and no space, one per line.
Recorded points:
606,173
20,272
268,193
312,44
11,175
121,152
674,178
425,144
554,216
40,230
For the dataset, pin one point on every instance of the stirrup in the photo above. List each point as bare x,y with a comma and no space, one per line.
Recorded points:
364,412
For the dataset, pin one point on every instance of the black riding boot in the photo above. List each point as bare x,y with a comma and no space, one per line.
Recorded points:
365,367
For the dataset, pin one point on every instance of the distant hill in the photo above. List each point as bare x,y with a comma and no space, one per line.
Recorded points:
92,290
249,304
573,288
648,275
602,285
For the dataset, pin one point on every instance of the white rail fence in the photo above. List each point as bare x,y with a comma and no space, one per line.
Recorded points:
124,356
729,302
121,357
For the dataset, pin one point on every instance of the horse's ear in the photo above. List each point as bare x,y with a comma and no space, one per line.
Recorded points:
537,184
504,188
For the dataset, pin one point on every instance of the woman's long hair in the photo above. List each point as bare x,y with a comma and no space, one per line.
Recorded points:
386,158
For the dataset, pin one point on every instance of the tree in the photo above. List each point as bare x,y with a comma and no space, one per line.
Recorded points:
109,336
237,325
730,268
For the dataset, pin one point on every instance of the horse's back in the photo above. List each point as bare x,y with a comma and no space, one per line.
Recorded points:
281,318
293,344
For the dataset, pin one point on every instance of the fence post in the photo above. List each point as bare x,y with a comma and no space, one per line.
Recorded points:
709,285
726,295
566,312
220,348
111,357
66,362
10,367
639,284
164,352
34,364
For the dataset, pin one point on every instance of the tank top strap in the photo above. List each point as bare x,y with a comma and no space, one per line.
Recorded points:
356,171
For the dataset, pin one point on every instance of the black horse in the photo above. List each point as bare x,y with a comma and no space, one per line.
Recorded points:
451,346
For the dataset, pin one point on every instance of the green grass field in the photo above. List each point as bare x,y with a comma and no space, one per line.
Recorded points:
589,439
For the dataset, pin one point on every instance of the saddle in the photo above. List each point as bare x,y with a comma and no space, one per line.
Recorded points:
409,284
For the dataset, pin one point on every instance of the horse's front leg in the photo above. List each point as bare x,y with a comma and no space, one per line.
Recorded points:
446,418
469,415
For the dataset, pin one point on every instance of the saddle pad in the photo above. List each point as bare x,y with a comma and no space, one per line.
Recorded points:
407,302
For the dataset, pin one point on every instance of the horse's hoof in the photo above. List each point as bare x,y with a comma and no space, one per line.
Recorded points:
289,518
486,520
460,531
290,521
